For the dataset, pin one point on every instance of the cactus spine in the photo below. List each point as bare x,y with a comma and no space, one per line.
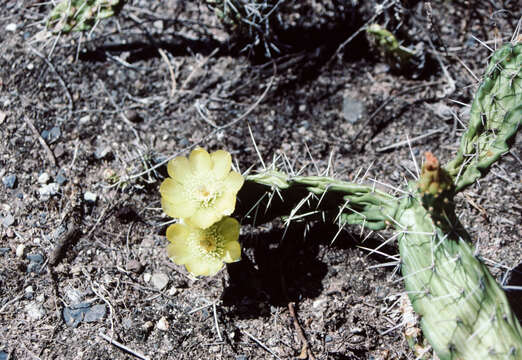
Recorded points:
81,15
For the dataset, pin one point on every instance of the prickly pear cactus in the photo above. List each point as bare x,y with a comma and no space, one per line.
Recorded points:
495,116
464,312
81,15
249,19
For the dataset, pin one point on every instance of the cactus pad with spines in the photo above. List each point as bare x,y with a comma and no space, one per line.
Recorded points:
81,15
495,117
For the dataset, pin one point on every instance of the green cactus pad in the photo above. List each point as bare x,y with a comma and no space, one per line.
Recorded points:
464,312
494,120
81,15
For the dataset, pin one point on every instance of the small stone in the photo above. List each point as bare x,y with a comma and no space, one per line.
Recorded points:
160,280
59,150
90,197
85,119
356,330
328,339
20,250
11,27
241,357
353,109
172,291
48,190
51,135
4,250
103,152
9,181
60,178
43,178
8,220
163,324
95,313
147,325
3,115
134,266
133,116
73,315
35,262
40,298
34,311
146,277
4,355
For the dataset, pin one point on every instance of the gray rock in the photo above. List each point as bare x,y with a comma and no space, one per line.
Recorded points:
90,196
9,181
103,152
48,190
7,220
43,178
84,312
95,313
241,357
3,355
34,311
35,262
353,109
60,178
4,250
159,280
52,135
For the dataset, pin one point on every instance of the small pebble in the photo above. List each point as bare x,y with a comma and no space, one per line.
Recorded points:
43,178
51,135
8,220
90,196
48,190
146,277
34,311
103,152
9,181
95,313
11,27
134,266
4,355
20,250
163,324
160,280
241,357
60,178
328,339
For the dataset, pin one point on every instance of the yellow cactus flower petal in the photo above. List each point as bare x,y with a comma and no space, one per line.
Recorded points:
234,181
200,161
179,169
229,228
203,218
226,204
232,252
173,191
221,161
177,210
200,189
204,251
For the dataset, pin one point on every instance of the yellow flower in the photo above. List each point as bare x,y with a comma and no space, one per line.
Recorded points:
203,251
200,189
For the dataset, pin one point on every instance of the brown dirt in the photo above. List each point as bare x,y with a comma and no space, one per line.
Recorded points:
113,89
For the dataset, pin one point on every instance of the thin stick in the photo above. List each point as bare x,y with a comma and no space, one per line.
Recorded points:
171,71
123,347
60,79
306,352
50,154
261,344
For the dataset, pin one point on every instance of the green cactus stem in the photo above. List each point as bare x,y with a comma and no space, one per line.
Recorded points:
81,15
464,312
273,194
495,117
397,55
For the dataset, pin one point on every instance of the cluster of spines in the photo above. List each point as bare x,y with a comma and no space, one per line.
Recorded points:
81,15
